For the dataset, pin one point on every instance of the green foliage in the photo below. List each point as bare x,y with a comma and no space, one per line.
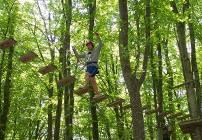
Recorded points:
29,101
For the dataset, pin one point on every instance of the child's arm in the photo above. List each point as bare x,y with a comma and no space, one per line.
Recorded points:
77,54
100,42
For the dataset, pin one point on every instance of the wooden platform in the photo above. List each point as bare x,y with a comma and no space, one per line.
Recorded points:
100,98
28,57
7,43
66,81
81,90
116,102
190,125
47,69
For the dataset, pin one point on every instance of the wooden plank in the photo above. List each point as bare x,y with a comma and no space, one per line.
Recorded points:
118,101
66,81
28,57
190,125
47,69
100,98
81,90
7,43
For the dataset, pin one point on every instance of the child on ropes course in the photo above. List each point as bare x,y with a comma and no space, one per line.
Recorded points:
91,62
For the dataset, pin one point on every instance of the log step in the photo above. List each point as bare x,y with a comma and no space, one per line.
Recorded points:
190,125
28,57
66,81
81,90
115,103
47,69
7,43
100,98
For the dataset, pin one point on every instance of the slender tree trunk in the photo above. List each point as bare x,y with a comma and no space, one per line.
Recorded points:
7,94
92,11
169,88
68,134
154,82
59,103
160,94
1,74
119,121
50,107
107,129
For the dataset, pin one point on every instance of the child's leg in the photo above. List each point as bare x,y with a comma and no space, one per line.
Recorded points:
87,79
94,84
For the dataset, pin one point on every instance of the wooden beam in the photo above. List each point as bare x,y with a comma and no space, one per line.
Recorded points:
81,90
100,98
28,57
66,81
116,102
190,125
47,69
7,43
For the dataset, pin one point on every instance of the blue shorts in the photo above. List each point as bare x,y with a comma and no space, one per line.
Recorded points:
93,70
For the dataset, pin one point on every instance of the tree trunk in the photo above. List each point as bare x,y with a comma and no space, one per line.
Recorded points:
50,108
154,82
160,94
194,62
133,84
187,71
1,74
119,121
59,104
169,88
67,6
7,94
92,11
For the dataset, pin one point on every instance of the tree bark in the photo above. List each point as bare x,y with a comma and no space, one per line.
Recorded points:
119,121
132,82
67,7
92,11
160,93
59,103
7,94
1,74
170,88
194,62
186,67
